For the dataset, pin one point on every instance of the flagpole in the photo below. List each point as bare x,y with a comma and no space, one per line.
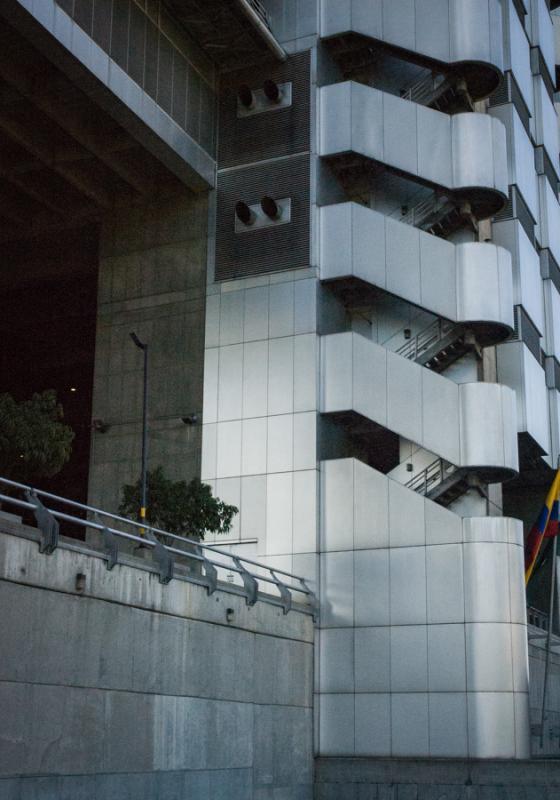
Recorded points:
549,634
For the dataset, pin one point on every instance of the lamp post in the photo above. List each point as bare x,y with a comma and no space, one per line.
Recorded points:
144,347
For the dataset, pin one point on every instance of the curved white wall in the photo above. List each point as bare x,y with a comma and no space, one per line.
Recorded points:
470,424
423,649
453,31
484,283
455,152
470,282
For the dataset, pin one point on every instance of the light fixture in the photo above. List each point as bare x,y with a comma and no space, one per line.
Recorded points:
271,208
190,419
244,213
100,426
272,91
245,96
73,389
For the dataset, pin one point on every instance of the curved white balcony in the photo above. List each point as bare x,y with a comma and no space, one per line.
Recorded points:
471,425
468,283
390,557
460,33
466,154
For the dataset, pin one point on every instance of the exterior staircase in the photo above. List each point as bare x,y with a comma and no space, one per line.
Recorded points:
440,92
437,215
437,346
441,482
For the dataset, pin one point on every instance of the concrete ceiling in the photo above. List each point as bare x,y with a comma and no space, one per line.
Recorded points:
63,161
221,29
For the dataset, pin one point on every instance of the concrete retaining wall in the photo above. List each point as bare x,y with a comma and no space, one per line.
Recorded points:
432,779
131,689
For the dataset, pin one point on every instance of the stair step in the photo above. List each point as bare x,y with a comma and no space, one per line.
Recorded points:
450,493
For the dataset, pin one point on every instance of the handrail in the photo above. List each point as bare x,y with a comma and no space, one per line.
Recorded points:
258,17
432,476
537,618
433,333
47,519
426,88
423,210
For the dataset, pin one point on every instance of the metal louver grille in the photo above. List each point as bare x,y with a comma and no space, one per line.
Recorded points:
508,92
516,208
525,331
273,134
265,249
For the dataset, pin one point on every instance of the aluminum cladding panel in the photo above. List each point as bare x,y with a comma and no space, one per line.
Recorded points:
447,30
468,282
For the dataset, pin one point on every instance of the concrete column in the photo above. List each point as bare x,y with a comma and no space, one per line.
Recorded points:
152,281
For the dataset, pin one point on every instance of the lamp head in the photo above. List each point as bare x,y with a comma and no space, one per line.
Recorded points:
137,341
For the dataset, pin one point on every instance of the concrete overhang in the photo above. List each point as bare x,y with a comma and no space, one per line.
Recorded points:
233,33
57,37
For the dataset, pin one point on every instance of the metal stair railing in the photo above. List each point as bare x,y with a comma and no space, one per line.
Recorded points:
426,89
434,474
423,211
235,573
537,618
261,11
428,337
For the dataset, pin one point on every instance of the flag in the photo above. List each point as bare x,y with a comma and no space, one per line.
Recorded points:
553,527
545,526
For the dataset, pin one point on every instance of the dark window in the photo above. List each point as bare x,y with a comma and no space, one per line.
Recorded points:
526,331
518,5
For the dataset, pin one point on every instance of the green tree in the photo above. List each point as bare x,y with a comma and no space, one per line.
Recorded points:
186,509
34,442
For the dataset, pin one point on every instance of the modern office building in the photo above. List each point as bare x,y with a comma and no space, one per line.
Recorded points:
336,224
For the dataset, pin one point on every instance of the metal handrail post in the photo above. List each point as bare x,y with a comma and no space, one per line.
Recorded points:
144,474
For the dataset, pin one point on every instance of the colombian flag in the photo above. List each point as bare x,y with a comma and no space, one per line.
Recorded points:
546,526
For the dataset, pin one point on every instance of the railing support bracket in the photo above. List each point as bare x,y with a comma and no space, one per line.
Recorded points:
47,524
164,560
249,582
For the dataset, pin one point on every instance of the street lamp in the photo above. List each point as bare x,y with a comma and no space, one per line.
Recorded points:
144,347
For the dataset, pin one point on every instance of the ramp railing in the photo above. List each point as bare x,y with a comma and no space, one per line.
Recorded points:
174,556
